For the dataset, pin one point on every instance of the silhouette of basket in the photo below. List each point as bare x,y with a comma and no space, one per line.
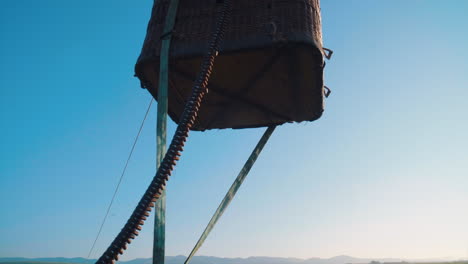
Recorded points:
269,70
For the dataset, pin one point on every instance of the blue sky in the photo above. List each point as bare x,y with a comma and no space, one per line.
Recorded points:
382,174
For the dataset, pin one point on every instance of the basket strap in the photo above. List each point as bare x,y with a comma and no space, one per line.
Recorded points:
327,53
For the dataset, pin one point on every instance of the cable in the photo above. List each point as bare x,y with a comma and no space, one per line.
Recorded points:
121,177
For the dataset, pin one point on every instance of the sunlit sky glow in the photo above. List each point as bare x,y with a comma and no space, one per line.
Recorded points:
384,172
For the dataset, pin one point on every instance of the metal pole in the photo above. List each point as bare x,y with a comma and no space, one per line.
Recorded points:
160,206
232,191
161,129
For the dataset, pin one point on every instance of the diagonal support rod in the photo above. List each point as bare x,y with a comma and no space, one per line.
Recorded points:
232,191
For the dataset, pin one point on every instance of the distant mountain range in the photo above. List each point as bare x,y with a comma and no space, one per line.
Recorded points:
216,260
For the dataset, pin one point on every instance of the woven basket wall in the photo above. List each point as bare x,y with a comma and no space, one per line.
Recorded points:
269,70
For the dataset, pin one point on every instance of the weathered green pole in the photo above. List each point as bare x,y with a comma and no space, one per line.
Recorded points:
161,129
232,191
160,206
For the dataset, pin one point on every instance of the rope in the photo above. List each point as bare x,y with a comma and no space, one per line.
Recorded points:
120,179
232,191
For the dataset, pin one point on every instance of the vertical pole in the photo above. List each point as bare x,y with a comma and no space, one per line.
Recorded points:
160,206
161,127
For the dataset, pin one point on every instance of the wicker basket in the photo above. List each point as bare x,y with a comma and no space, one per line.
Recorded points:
269,70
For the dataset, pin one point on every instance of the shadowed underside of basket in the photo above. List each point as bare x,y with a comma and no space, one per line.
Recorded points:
269,70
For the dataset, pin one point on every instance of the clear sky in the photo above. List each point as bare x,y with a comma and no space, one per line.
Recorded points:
384,172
